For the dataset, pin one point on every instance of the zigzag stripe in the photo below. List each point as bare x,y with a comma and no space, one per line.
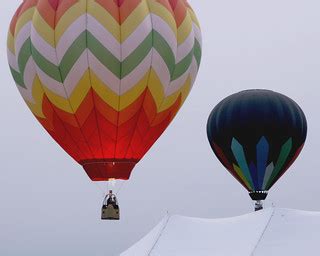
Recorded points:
105,18
193,70
102,35
127,82
46,65
105,37
45,49
105,78
109,60
23,18
127,28
17,78
28,78
73,81
136,38
133,20
37,98
161,69
43,28
58,88
22,37
24,56
197,33
184,30
197,52
162,11
185,48
73,13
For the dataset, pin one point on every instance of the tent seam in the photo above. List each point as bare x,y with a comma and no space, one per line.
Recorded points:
159,235
263,232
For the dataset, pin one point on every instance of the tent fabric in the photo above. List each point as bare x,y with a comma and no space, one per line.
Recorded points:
271,231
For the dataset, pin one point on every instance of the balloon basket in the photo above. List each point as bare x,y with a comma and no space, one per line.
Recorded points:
258,205
110,212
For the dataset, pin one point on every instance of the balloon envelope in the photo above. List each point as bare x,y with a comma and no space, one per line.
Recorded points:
256,135
104,78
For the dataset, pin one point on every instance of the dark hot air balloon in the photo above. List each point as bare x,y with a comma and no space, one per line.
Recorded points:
257,135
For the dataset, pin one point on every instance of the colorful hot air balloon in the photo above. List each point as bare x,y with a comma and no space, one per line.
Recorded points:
104,77
257,135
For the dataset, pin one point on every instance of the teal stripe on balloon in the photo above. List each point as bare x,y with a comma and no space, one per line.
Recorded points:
284,153
238,153
262,158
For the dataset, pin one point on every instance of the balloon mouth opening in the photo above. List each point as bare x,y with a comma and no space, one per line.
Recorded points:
106,169
258,195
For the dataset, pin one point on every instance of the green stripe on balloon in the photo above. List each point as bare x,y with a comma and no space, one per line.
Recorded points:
182,66
72,55
17,78
284,153
238,153
197,52
24,56
120,69
154,39
46,66
105,57
163,48
137,56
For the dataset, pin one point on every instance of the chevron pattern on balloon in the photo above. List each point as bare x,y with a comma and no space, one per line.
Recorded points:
126,66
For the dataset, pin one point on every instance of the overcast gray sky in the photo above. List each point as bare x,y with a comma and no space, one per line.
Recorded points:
49,207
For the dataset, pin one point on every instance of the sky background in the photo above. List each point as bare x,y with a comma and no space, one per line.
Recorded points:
49,207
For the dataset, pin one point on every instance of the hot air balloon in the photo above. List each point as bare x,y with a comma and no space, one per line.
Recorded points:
104,78
257,135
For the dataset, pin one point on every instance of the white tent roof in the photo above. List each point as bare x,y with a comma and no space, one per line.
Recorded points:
268,232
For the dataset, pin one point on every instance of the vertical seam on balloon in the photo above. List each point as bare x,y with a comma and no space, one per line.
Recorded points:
91,90
119,92
51,104
15,28
93,101
148,79
164,97
189,9
193,56
64,88
16,53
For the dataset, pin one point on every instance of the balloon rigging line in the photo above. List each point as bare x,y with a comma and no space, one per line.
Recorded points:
99,188
121,186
